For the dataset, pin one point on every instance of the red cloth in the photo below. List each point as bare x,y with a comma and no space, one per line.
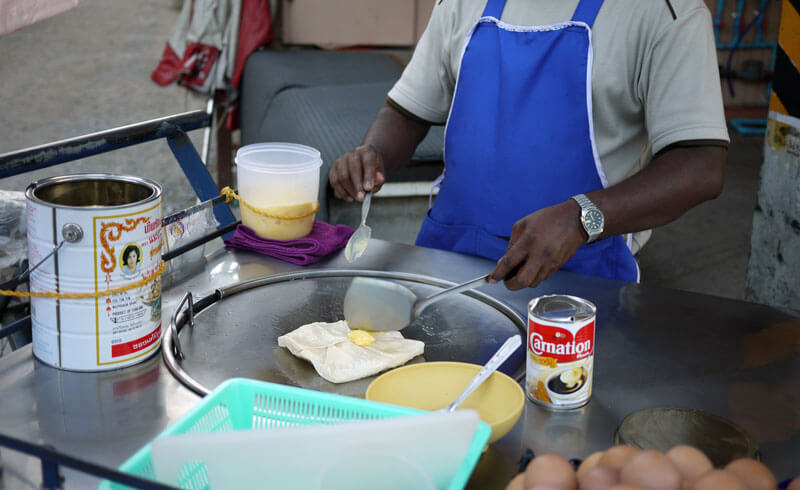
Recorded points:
192,68
255,30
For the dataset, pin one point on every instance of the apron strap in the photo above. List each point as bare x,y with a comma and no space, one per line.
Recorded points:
494,8
586,11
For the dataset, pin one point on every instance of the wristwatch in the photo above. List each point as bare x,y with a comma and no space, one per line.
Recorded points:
592,218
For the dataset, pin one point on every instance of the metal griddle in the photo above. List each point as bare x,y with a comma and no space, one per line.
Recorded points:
233,332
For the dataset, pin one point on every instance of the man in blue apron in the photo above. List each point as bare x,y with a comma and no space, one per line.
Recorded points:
551,108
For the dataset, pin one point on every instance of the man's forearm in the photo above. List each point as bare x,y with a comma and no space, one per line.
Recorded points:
395,136
673,183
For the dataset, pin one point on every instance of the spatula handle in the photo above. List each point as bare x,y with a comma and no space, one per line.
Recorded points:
424,303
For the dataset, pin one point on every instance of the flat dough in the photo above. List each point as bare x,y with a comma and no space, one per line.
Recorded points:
337,359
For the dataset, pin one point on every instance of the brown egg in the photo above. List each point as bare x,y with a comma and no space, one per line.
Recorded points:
794,484
651,470
599,478
550,470
624,486
691,462
589,463
616,457
719,480
517,483
753,473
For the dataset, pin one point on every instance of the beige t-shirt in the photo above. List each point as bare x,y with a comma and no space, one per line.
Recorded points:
654,77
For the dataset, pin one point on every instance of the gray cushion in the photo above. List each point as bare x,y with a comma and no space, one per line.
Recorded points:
267,73
334,119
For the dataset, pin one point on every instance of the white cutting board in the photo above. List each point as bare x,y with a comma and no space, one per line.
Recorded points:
420,451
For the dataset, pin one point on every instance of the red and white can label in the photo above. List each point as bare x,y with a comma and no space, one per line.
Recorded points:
560,360
561,344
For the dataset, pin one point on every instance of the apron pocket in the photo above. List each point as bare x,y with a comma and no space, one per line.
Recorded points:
609,257
468,239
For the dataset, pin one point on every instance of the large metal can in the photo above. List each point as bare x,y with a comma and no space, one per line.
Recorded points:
97,241
560,360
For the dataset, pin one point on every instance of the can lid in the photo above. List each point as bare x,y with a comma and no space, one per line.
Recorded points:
561,308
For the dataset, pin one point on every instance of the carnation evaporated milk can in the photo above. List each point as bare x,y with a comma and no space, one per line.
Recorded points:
95,242
560,351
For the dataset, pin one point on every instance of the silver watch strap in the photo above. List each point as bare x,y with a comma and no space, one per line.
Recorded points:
583,201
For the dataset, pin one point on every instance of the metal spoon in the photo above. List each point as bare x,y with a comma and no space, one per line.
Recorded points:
360,238
508,348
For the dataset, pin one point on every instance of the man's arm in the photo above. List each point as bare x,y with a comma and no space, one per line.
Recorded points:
675,181
389,143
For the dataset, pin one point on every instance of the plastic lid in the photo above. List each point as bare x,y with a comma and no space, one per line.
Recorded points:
288,158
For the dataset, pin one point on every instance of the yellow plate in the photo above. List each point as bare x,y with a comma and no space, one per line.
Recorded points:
434,385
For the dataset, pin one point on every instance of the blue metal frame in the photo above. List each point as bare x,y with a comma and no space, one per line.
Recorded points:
173,128
749,126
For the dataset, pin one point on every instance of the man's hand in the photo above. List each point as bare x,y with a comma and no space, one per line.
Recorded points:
389,143
675,181
358,171
540,244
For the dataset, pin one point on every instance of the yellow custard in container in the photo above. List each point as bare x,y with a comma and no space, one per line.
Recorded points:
281,222
278,185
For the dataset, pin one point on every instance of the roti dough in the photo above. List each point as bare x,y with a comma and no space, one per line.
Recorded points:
337,359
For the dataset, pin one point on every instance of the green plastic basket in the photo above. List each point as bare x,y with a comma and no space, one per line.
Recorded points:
246,404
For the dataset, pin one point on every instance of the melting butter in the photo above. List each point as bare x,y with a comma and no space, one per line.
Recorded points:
361,338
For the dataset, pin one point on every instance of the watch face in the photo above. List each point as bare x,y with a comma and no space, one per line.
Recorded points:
593,220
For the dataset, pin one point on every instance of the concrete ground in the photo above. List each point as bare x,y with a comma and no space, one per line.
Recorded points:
89,69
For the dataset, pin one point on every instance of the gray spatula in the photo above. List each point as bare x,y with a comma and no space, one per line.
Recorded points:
379,305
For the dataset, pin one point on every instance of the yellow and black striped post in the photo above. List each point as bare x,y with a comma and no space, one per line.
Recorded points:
772,271
785,97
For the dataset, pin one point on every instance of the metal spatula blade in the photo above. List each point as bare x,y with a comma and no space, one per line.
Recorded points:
379,305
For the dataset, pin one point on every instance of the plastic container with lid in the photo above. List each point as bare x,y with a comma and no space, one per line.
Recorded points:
278,184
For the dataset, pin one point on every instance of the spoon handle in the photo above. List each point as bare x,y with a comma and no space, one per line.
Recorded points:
491,366
365,207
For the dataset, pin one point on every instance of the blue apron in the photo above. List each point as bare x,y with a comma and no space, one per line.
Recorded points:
519,138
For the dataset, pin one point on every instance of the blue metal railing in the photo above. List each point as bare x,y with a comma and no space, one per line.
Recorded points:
741,125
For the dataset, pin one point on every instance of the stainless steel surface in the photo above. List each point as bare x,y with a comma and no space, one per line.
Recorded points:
503,353
360,238
654,347
662,428
235,331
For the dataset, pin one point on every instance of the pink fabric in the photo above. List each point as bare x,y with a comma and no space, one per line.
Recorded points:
16,14
323,240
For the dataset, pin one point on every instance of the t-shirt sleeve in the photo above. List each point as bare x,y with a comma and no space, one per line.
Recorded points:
426,86
680,84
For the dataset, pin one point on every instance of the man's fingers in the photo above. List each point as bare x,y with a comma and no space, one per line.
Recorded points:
373,164
355,171
507,266
526,274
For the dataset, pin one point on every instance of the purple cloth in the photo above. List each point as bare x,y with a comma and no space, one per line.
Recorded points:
323,240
